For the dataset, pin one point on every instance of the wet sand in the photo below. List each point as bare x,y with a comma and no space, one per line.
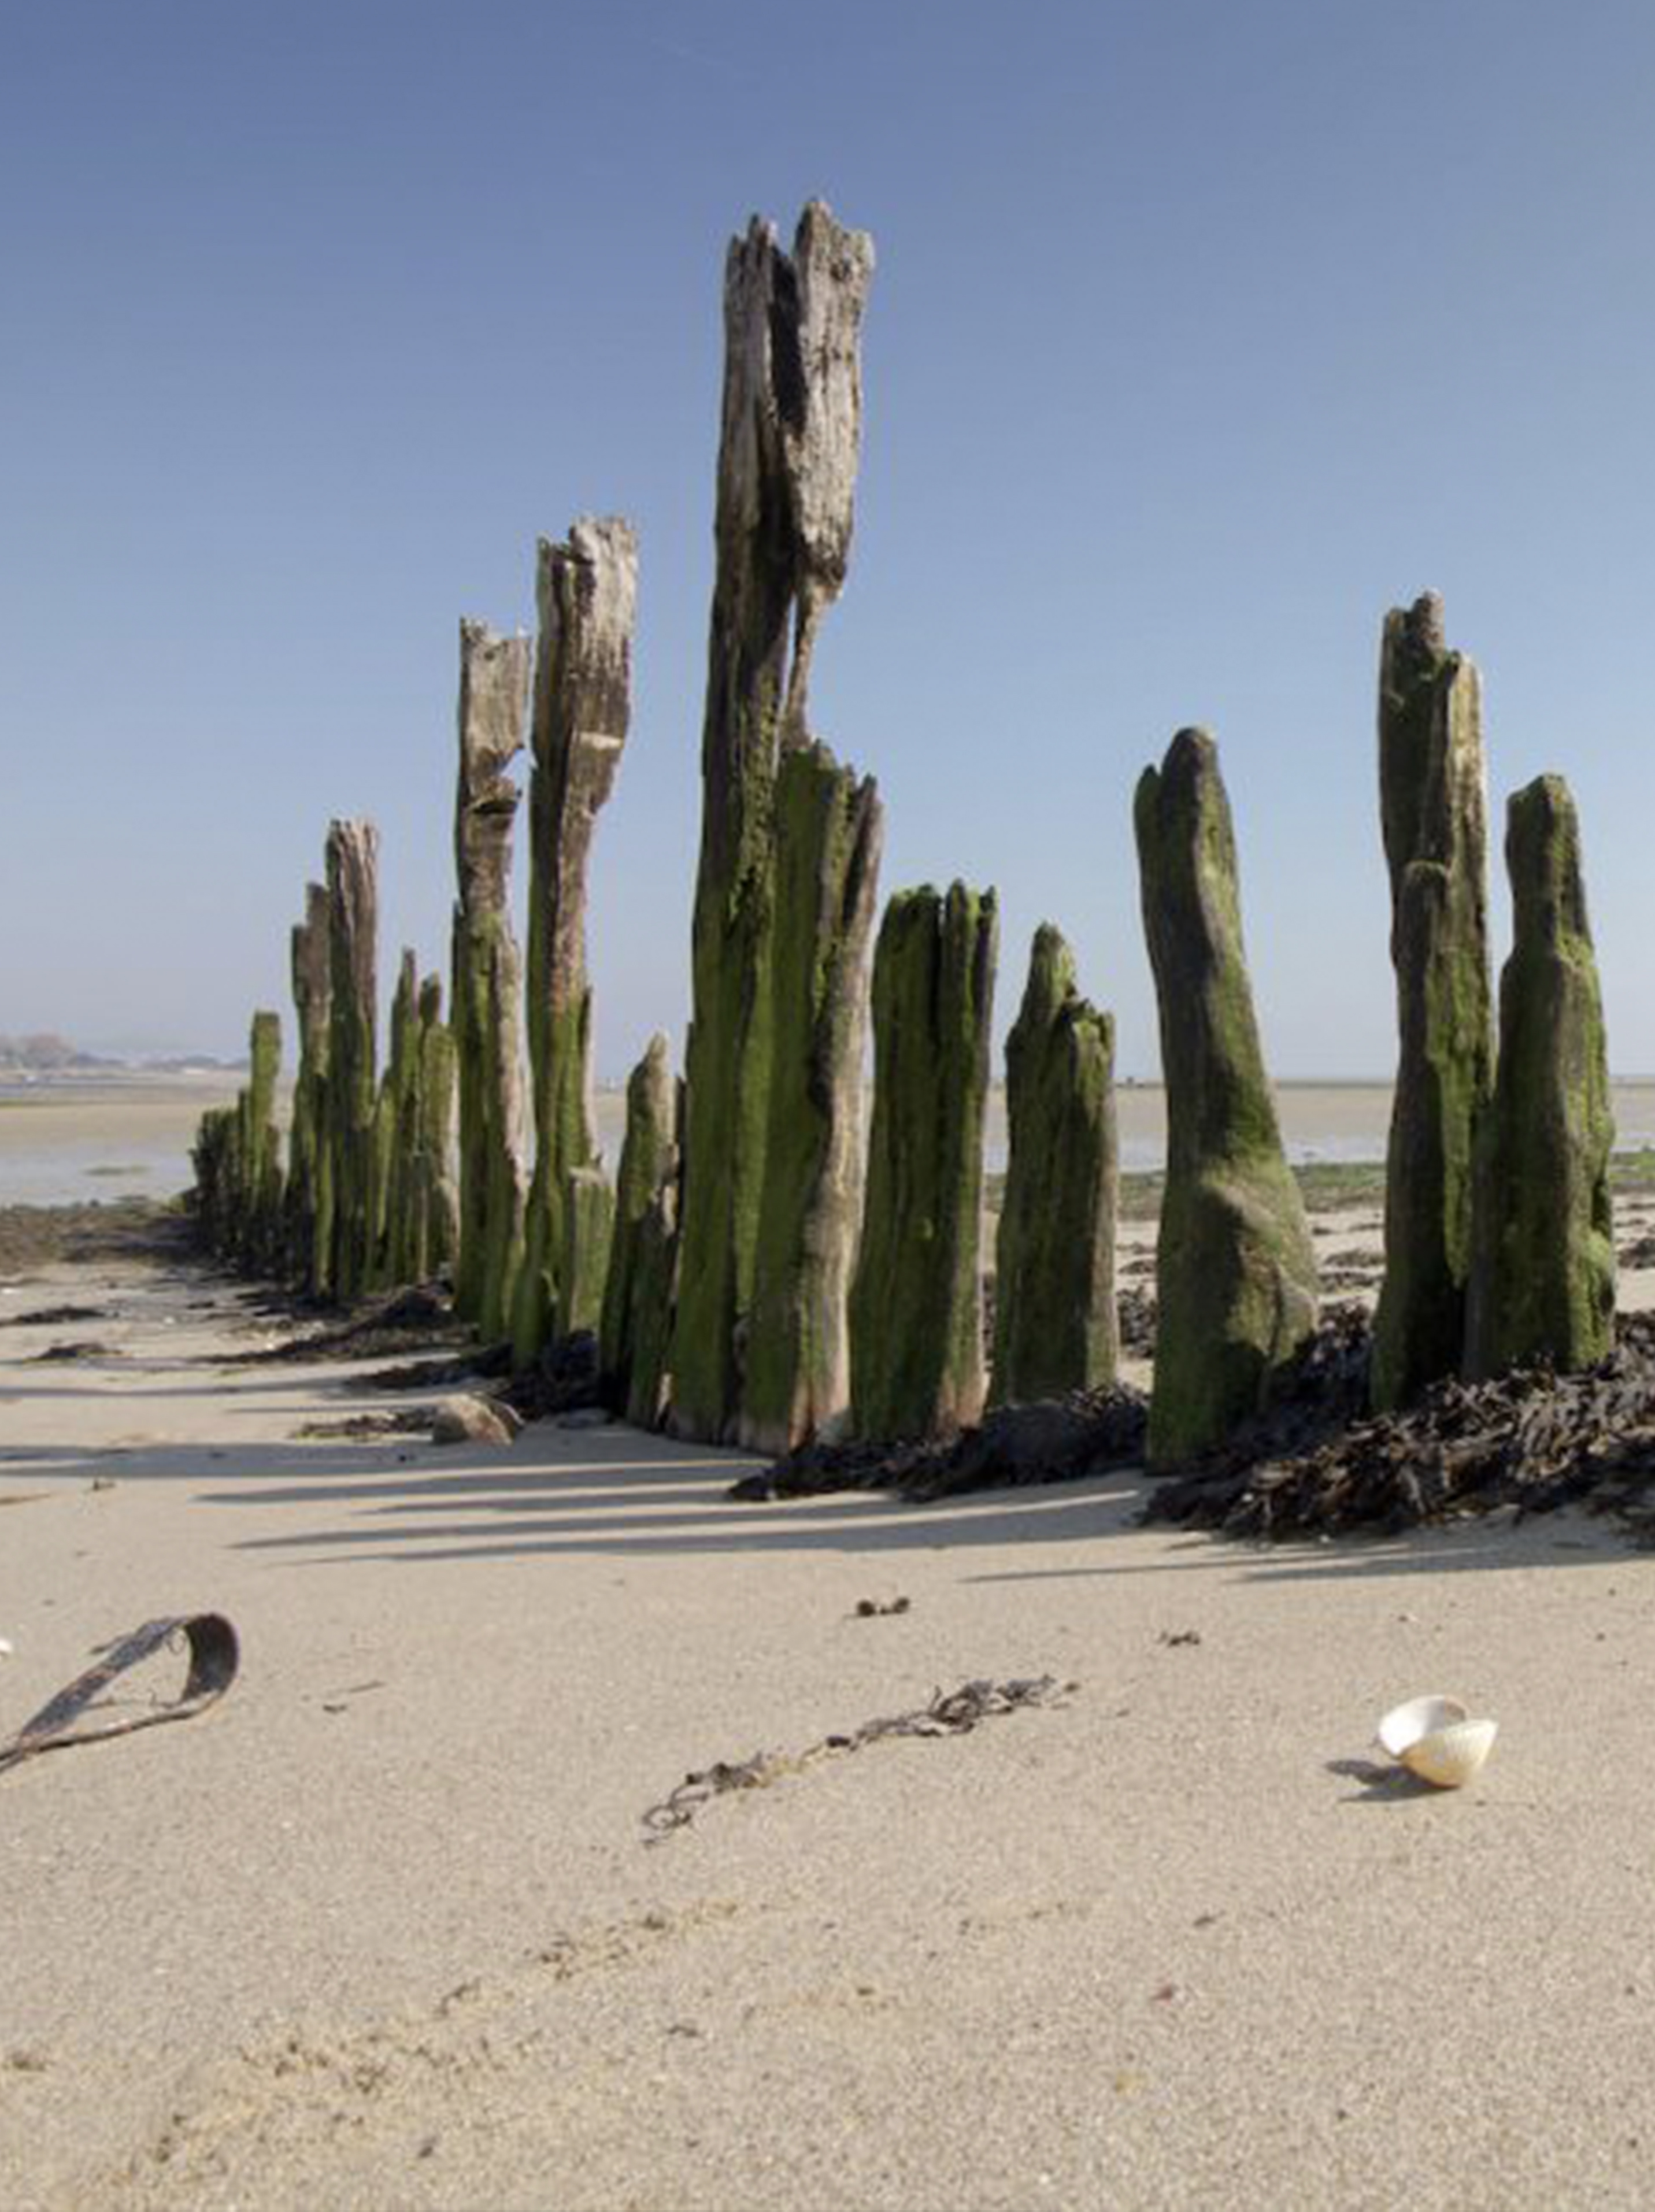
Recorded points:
382,1928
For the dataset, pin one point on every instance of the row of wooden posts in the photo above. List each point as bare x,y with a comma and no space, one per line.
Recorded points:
766,1267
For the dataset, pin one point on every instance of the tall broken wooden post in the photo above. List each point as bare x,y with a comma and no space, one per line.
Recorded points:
1433,787
1056,1326
830,829
1236,1274
1542,1273
494,674
916,1366
308,1205
787,471
587,595
353,920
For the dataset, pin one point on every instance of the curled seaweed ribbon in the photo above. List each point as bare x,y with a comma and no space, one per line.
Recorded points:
215,1655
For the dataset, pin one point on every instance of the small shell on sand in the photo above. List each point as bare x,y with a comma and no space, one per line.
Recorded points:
1406,1724
1451,1757
1435,1738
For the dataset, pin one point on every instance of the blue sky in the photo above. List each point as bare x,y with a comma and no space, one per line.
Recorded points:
1200,336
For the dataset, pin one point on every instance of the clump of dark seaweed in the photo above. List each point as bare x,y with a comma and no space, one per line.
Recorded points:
1052,1440
1531,1438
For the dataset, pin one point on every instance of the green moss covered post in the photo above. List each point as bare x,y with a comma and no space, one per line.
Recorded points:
633,1334
396,1136
307,1207
218,1193
1055,1327
1542,1275
487,989
258,1239
437,1200
1433,805
1235,1275
587,593
353,921
828,833
916,1364
788,457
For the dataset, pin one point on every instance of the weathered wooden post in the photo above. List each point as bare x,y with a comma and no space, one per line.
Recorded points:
1236,1274
1055,1327
586,594
397,1135
258,1233
634,1332
308,1207
217,1177
494,674
437,1196
916,1365
1432,792
1543,1274
829,832
353,920
788,457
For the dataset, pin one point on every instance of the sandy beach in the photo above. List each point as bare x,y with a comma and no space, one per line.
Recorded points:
383,1927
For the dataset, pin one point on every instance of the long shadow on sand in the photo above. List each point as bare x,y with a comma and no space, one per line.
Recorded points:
615,1492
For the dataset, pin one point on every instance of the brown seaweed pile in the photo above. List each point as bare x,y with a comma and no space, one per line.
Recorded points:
418,1319
1054,1440
1532,1439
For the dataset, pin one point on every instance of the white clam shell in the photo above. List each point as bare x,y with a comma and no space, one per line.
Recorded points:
1405,1724
1450,1756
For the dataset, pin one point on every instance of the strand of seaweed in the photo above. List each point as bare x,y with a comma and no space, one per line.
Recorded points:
955,1712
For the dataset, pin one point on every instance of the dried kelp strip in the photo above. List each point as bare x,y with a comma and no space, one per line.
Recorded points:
955,1712
1531,1438
1054,1440
215,1655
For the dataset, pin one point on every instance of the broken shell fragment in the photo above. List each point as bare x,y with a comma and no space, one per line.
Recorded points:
1436,1739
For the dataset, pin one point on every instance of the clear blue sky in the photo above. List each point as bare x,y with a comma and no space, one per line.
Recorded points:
1201,334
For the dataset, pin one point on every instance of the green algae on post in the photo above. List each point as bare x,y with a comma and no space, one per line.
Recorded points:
437,1197
635,1329
787,471
916,1366
1055,1327
307,1207
587,593
829,832
353,921
487,977
1235,1271
1433,806
1543,1274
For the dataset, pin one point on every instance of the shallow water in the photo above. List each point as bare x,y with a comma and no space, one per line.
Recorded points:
130,1137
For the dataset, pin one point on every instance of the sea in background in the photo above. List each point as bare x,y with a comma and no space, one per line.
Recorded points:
72,1139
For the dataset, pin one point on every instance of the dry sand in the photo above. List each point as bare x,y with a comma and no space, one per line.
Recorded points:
381,1929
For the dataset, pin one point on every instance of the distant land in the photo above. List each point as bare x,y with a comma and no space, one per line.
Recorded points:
45,1053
